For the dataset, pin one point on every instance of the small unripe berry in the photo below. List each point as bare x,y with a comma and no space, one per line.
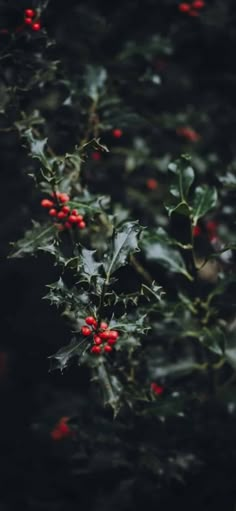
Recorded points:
65,209
64,197
96,350
28,21
97,340
198,4
103,325
46,203
61,215
52,212
90,320
68,225
113,334
117,133
29,13
184,7
36,26
86,330
81,225
107,348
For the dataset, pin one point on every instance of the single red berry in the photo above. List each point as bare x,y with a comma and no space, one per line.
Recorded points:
97,340
61,215
64,197
74,212
112,341
104,335
103,325
36,26
96,350
29,13
113,334
198,4
107,348
56,434
90,320
52,212
80,218
81,225
157,389
65,209
46,203
86,330
184,7
152,184
211,226
117,133
197,231
96,156
60,227
193,13
68,225
28,21
72,219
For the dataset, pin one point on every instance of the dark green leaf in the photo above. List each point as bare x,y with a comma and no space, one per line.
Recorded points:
124,242
38,238
205,198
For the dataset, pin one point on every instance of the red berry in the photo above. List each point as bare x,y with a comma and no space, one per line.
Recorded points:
81,225
198,4
80,218
152,184
28,21
96,350
72,219
157,389
111,341
60,227
65,209
52,212
36,26
104,335
63,426
74,212
96,156
211,226
193,13
29,13
103,325
107,348
113,334
56,434
68,225
61,215
86,330
184,7
46,203
197,231
63,197
97,340
117,133
90,320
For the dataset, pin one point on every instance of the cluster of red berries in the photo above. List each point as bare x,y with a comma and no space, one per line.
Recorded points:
193,8
211,228
60,211
62,430
103,338
157,389
31,19
188,133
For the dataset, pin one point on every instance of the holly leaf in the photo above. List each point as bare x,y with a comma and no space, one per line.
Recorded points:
37,147
183,177
166,256
61,359
213,339
205,198
124,242
87,264
38,238
229,180
95,79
